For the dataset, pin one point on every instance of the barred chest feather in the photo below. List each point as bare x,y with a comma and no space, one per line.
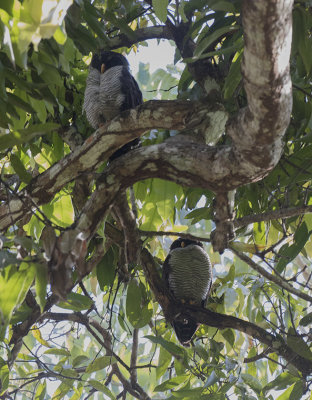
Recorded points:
190,273
103,97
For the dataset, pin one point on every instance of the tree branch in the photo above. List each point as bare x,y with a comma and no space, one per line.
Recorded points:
271,215
273,278
139,35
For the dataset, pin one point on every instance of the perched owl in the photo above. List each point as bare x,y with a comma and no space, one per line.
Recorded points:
110,89
188,275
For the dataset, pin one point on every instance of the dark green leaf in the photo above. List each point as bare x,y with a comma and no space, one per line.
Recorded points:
281,382
252,382
58,352
234,77
100,363
139,310
171,383
14,284
18,102
19,168
288,253
76,302
101,388
306,320
7,5
298,345
172,348
160,8
106,269
41,284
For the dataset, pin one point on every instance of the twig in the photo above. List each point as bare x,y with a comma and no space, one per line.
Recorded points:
273,278
270,215
134,356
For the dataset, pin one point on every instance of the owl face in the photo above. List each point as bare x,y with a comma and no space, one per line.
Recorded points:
108,59
184,242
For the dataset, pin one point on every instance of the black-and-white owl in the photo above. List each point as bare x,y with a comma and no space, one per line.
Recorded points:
110,89
188,275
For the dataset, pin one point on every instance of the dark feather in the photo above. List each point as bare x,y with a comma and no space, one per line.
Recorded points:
120,92
133,98
183,325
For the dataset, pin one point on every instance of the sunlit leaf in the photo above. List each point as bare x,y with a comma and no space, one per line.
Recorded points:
76,302
101,388
100,363
14,284
160,8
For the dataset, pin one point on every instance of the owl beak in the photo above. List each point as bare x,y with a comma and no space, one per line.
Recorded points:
102,68
182,244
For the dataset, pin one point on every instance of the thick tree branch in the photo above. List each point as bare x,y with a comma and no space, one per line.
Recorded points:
275,343
139,35
261,125
97,148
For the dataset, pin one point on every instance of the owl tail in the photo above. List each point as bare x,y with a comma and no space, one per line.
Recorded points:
185,328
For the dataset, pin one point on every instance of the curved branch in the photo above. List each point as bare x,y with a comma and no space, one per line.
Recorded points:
265,68
139,35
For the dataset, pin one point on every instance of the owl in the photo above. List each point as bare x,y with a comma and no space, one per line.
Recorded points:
110,89
187,274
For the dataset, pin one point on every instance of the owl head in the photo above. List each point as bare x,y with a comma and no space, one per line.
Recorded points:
184,242
109,59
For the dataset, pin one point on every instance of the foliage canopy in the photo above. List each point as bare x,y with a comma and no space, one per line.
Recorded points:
98,330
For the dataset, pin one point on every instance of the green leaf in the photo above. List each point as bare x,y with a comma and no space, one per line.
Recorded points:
211,38
288,253
252,382
106,269
80,360
19,168
14,285
306,320
41,391
7,5
7,258
100,363
138,309
41,284
281,382
199,214
76,302
164,361
25,135
160,7
297,392
298,344
101,388
228,334
172,348
58,352
234,76
4,375
230,300
171,383
18,102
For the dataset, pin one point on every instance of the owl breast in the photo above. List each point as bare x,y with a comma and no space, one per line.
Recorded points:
190,273
111,95
103,97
